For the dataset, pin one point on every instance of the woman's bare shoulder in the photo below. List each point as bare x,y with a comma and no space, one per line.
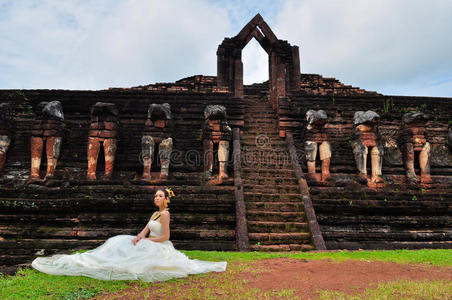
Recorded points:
165,213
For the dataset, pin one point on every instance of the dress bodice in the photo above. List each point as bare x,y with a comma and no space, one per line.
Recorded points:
155,227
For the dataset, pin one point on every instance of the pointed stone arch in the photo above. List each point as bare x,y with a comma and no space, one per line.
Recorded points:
284,61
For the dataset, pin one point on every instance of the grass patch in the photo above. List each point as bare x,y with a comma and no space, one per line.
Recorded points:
228,285
438,257
402,289
31,284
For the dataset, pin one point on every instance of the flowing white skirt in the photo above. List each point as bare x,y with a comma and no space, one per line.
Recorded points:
119,259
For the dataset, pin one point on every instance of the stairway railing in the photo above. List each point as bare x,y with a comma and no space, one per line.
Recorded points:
317,236
243,243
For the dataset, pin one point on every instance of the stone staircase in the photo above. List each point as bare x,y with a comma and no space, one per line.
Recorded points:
275,214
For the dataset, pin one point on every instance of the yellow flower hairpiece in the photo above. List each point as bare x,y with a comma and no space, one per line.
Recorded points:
170,192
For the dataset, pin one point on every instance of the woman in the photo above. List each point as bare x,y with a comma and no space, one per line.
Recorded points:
125,257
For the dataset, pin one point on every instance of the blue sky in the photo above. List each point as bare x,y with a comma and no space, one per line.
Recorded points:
401,47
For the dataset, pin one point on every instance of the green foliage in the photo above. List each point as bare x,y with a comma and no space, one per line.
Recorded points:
414,198
388,105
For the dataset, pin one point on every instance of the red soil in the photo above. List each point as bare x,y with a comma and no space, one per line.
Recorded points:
307,277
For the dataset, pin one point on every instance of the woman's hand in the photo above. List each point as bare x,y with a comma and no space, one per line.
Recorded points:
137,239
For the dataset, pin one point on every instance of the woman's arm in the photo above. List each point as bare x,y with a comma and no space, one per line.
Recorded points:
164,220
142,234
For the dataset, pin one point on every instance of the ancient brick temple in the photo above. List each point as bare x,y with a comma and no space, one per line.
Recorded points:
299,162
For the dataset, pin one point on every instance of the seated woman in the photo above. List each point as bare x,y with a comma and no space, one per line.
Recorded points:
126,257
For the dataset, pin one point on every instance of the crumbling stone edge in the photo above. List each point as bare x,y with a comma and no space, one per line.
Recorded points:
243,243
317,237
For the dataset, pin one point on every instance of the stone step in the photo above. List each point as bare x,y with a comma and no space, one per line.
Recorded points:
256,126
262,181
252,135
257,111
387,245
379,221
271,189
341,193
261,226
268,197
282,247
264,117
286,176
275,206
262,129
267,172
268,216
278,237
262,165
269,141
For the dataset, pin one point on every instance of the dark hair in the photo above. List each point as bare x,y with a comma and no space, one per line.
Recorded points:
165,192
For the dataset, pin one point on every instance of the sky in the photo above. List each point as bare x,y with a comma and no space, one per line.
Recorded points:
394,47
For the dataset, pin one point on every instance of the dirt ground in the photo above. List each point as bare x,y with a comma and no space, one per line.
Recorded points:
350,276
306,277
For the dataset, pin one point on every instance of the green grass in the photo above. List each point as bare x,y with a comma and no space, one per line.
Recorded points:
31,284
402,289
438,257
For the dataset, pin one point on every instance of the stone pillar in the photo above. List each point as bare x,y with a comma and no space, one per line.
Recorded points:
296,72
53,146
147,155
110,146
238,78
37,145
165,149
93,154
223,155
208,158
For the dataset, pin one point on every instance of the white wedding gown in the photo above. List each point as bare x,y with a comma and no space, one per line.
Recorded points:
119,259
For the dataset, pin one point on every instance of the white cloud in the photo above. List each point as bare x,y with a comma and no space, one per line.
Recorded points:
377,45
94,45
393,47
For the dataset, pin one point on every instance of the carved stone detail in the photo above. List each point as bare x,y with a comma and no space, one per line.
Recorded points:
413,138
47,130
157,131
365,136
316,139
216,131
5,132
103,129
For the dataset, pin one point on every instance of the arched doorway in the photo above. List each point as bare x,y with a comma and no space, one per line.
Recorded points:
284,61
